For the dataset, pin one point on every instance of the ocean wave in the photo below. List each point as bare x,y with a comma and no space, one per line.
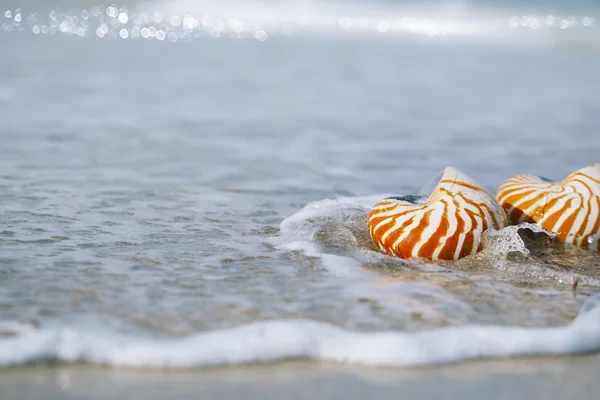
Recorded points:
271,341
334,232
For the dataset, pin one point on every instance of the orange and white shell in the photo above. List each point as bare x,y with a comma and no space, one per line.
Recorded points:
570,208
445,226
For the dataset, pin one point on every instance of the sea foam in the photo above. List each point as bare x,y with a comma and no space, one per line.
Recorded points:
271,341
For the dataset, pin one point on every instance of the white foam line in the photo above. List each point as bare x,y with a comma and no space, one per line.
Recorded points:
297,234
271,341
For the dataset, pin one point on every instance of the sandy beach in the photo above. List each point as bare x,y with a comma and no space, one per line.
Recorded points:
526,378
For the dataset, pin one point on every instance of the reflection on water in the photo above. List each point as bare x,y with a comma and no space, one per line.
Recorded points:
182,20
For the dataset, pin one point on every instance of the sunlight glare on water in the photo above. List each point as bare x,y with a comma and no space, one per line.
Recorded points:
179,21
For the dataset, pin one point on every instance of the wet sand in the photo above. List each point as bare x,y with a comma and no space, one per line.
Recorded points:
526,378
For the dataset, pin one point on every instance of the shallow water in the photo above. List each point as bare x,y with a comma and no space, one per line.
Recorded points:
152,188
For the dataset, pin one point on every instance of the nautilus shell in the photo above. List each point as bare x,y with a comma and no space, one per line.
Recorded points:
445,226
569,208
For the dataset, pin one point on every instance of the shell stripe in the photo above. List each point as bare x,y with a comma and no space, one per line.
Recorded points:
464,184
447,226
570,208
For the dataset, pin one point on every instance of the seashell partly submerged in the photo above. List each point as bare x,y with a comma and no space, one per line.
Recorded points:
570,208
447,225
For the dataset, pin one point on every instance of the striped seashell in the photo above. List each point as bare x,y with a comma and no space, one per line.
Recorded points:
569,208
445,226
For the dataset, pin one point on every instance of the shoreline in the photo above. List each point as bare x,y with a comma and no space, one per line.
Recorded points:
543,378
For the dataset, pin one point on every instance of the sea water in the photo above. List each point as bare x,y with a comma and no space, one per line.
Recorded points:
185,183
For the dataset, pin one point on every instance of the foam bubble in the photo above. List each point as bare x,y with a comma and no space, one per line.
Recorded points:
500,243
